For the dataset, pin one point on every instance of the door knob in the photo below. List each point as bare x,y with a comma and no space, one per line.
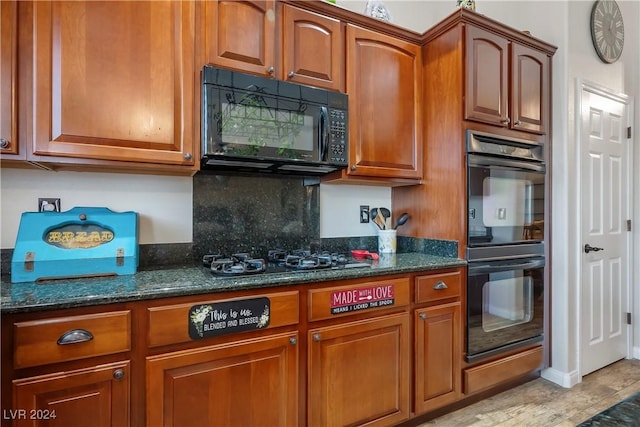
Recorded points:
588,248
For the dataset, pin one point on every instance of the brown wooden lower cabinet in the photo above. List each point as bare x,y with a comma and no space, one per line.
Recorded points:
244,383
358,373
311,366
437,356
96,396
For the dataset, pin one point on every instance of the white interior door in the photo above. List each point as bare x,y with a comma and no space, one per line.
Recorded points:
605,242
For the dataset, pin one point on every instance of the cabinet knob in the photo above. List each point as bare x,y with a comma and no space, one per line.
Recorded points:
293,340
506,121
440,285
316,337
353,167
423,316
188,156
271,70
75,336
4,143
118,374
291,74
517,123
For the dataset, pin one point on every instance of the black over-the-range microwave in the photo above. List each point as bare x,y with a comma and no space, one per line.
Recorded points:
257,124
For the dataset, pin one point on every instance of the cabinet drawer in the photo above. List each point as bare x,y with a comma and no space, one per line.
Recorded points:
436,287
59,339
326,303
493,373
169,324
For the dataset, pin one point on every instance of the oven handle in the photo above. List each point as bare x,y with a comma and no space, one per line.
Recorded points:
493,268
491,161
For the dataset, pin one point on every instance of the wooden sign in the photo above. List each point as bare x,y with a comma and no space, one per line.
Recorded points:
228,317
344,301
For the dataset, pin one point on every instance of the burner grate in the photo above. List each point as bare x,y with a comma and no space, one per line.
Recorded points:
301,259
279,260
235,265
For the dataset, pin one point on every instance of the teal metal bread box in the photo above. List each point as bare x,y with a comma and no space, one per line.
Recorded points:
81,242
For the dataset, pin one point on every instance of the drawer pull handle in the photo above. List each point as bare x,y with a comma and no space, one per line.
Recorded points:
423,316
118,374
75,336
440,285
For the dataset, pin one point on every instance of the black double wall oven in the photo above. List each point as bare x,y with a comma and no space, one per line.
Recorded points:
505,244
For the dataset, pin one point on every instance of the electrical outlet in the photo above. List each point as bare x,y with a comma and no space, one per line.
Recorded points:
48,205
364,214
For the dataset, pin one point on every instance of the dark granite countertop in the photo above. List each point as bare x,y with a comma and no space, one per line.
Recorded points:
192,280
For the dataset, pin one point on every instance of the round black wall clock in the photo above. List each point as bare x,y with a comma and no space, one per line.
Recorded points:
607,30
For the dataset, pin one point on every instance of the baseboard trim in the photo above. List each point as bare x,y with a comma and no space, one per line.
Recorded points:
636,352
563,379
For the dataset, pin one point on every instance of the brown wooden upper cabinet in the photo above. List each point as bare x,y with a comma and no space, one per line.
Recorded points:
312,49
111,81
242,35
507,84
8,87
384,84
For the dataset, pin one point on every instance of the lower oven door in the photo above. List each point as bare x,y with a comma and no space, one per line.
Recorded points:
505,306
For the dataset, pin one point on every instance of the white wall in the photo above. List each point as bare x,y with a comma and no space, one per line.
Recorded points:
163,203
340,208
622,76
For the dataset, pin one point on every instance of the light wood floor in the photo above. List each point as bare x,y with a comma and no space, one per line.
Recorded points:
541,403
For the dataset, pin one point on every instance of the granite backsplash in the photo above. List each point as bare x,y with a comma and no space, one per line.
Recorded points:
253,214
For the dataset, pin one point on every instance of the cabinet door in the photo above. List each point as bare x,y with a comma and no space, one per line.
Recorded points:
437,356
245,383
529,89
486,83
8,87
384,83
358,373
114,80
97,396
241,35
312,49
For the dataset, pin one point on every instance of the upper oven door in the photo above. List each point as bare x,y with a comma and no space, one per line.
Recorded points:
505,201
